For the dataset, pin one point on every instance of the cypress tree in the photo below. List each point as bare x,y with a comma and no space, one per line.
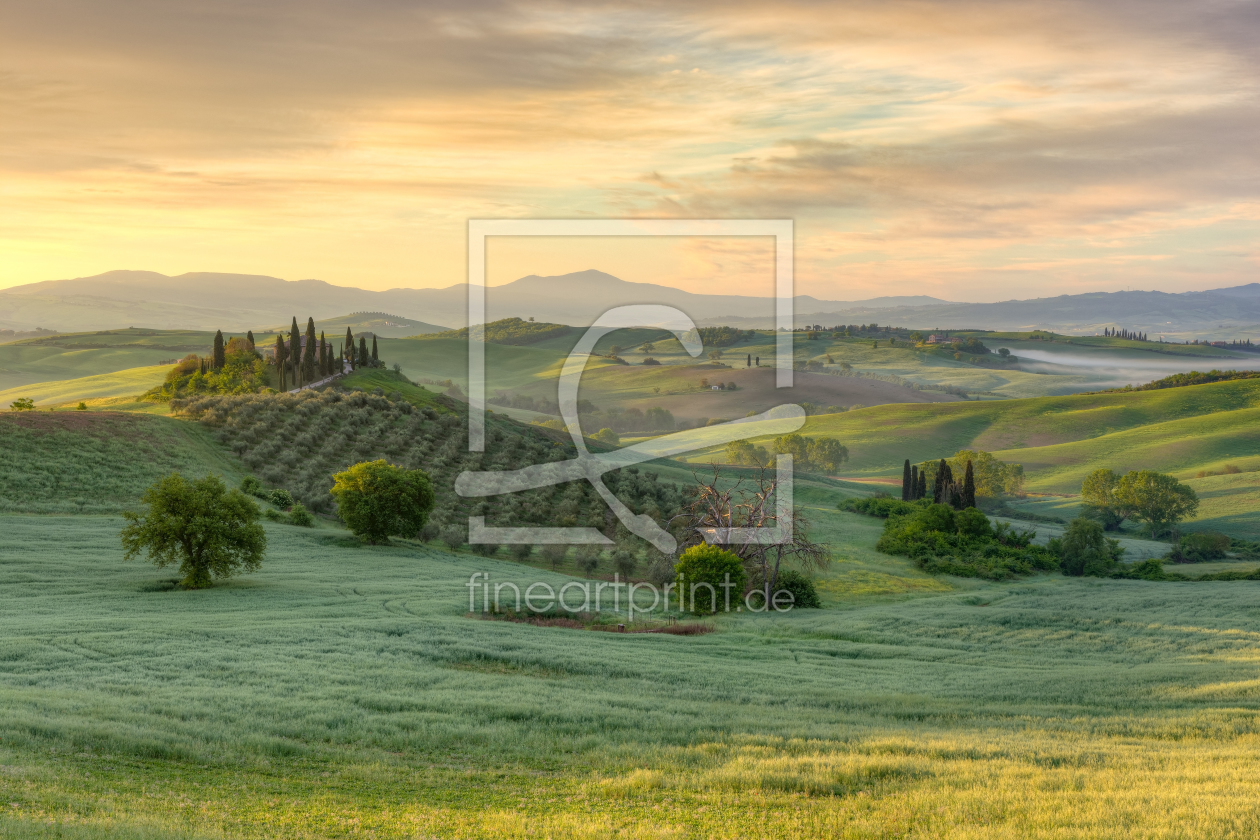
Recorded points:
922,494
295,353
748,363
363,352
938,486
219,359
325,363
308,353
280,360
375,358
906,488
249,337
914,482
969,487
350,349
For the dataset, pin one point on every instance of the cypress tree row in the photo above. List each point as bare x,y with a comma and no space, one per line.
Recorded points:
219,360
308,352
907,489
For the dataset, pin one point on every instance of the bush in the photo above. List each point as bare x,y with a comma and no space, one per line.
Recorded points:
251,486
22,404
607,436
378,500
280,498
82,406
706,575
880,506
273,515
299,515
521,552
944,541
804,594
485,549
1200,547
1084,550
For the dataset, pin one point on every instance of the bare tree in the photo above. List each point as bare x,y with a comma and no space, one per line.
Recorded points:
743,516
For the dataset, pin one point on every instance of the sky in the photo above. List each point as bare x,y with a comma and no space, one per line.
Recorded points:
966,150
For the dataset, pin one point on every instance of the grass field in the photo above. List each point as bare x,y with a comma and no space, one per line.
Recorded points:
104,386
341,692
97,462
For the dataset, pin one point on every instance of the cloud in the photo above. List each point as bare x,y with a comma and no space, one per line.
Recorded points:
972,144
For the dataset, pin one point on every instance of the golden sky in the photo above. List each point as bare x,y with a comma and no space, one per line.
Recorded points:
971,151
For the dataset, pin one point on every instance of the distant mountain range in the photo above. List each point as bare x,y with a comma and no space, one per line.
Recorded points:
204,300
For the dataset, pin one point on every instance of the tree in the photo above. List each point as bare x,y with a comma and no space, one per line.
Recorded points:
249,336
210,531
350,349
706,576
1083,550
295,353
607,436
308,352
922,485
826,454
375,358
362,354
1099,500
969,487
1157,499
748,361
22,404
219,360
281,358
378,500
325,363
906,490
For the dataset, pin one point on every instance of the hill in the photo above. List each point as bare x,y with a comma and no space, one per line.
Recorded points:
97,462
378,323
127,383
197,301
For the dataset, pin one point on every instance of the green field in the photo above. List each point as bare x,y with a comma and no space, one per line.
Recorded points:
99,389
341,692
75,462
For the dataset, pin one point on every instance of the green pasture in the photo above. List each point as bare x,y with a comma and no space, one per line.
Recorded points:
342,692
92,389
72,462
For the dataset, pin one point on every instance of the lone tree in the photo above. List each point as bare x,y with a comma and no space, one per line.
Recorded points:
378,500
210,531
1098,492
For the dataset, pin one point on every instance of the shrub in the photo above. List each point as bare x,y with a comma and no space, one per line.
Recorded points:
299,515
521,552
944,541
706,576
280,498
588,559
650,361
1084,550
880,506
251,486
485,549
273,515
1200,547
378,500
82,406
22,404
804,594
430,531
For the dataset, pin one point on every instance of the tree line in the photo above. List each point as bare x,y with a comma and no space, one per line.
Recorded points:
1129,334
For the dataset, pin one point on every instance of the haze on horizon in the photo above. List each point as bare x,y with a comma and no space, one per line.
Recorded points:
969,151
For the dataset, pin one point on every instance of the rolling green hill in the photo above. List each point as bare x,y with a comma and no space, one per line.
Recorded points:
97,462
95,390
